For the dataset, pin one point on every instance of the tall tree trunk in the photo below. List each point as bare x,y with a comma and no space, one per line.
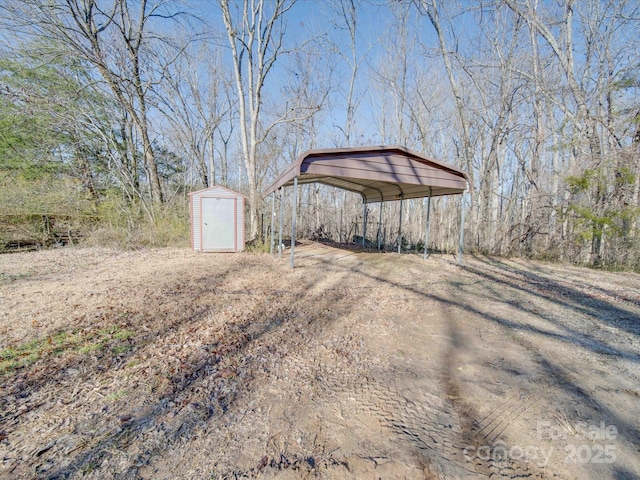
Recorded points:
255,41
635,199
212,162
431,8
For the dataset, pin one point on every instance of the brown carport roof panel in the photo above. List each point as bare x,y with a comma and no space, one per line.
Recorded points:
377,173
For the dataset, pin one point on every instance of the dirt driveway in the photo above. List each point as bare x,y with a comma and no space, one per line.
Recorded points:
173,364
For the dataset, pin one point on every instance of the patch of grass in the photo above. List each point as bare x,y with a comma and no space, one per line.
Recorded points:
115,396
257,246
133,363
120,349
89,348
16,357
13,358
118,333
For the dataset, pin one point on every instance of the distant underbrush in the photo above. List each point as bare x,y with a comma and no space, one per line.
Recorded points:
54,212
133,227
123,230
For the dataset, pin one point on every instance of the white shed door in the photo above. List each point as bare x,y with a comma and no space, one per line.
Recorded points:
218,223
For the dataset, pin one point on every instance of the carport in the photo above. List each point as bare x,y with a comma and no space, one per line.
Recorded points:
378,174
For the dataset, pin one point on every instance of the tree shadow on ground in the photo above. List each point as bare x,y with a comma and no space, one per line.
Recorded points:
572,298
211,381
563,295
208,385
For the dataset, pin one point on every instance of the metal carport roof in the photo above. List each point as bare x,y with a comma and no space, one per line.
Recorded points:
378,173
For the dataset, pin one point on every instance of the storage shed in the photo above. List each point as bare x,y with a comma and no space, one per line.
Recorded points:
217,220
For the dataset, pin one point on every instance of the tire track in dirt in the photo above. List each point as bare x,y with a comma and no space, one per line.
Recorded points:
425,432
358,367
438,427
481,437
428,427
434,428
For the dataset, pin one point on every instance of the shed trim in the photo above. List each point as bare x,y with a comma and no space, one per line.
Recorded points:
218,187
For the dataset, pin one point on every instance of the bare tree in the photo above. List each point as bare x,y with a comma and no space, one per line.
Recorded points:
591,82
117,38
432,10
195,101
393,74
255,30
584,119
346,18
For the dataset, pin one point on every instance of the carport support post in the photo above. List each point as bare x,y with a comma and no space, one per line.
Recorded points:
380,226
280,229
364,221
426,230
400,227
293,217
273,215
461,230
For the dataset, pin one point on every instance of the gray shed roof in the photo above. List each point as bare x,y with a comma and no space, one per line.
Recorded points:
379,173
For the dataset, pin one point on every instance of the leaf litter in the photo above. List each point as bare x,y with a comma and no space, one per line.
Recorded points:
169,363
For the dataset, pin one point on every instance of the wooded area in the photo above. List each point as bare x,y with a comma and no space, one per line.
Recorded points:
113,110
